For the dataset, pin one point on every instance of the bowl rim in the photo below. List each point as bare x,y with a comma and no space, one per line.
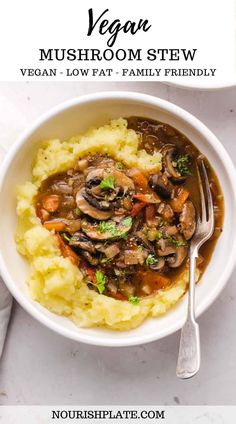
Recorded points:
200,86
151,101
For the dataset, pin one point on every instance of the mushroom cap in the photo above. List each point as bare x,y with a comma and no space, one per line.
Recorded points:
161,184
90,210
168,152
159,265
187,220
178,258
115,231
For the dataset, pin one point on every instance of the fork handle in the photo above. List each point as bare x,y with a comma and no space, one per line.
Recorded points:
189,349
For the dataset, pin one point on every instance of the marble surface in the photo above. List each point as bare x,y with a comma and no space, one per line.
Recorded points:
41,367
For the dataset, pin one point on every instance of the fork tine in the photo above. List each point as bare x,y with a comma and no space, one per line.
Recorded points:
203,202
209,197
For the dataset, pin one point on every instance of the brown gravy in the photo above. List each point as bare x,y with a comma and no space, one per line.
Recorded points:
101,211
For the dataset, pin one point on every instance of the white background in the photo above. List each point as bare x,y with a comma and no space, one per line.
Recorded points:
26,26
41,367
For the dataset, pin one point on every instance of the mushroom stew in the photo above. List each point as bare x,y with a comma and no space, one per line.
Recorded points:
128,231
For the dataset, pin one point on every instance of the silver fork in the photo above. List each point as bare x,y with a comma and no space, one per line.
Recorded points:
189,349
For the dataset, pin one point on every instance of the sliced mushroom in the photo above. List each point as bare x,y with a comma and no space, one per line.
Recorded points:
102,205
122,183
169,153
99,161
110,251
112,230
187,220
125,183
177,259
161,184
90,210
61,187
166,211
82,242
165,248
93,188
142,238
159,265
94,177
93,261
92,231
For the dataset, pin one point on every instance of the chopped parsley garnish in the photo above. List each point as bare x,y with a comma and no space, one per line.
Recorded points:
151,260
175,242
107,183
159,235
65,237
101,281
120,165
134,300
127,221
78,211
105,226
182,164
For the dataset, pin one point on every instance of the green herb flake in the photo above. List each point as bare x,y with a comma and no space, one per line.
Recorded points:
122,235
110,227
65,237
127,221
78,211
119,166
175,242
134,300
151,260
107,183
105,226
159,235
182,165
101,281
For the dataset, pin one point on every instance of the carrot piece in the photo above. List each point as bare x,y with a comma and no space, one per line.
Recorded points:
51,202
66,251
162,281
54,225
137,207
178,201
70,254
139,179
147,197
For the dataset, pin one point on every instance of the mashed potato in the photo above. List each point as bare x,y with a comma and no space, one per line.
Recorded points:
54,281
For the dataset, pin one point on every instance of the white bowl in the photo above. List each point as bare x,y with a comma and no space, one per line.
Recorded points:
202,85
76,116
